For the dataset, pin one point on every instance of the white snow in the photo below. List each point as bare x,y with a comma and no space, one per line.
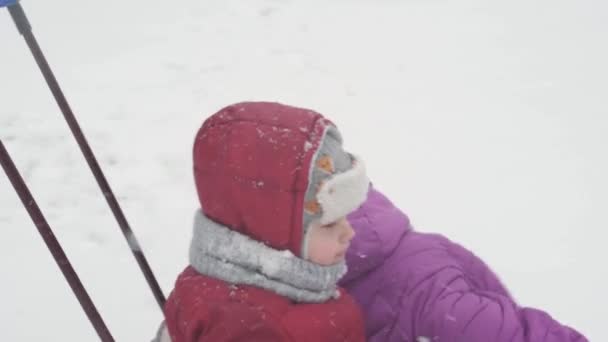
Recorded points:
307,146
485,121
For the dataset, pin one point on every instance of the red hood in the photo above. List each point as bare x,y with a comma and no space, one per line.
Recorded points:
251,168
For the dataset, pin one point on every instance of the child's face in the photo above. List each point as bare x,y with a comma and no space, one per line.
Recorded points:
327,244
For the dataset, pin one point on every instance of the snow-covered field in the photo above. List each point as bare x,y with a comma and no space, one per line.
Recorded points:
485,121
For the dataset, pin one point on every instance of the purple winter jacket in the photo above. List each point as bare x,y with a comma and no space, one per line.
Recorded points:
413,286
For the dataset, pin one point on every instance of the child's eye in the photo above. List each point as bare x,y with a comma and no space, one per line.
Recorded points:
330,225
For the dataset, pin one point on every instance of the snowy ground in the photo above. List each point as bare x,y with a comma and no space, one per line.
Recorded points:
486,121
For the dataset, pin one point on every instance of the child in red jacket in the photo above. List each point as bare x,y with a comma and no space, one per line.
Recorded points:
274,185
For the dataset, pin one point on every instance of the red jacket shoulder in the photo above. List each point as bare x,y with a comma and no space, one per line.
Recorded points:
203,308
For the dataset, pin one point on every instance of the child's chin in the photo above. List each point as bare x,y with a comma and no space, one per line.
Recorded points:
336,260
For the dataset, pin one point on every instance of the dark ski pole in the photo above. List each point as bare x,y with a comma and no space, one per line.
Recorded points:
24,27
53,245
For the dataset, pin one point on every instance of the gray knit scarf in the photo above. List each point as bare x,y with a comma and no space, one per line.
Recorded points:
221,253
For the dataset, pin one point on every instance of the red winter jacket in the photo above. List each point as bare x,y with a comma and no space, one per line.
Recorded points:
203,309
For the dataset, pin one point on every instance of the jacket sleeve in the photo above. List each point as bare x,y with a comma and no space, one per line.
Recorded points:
456,312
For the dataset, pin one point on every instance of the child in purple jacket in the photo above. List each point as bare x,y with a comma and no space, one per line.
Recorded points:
421,287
